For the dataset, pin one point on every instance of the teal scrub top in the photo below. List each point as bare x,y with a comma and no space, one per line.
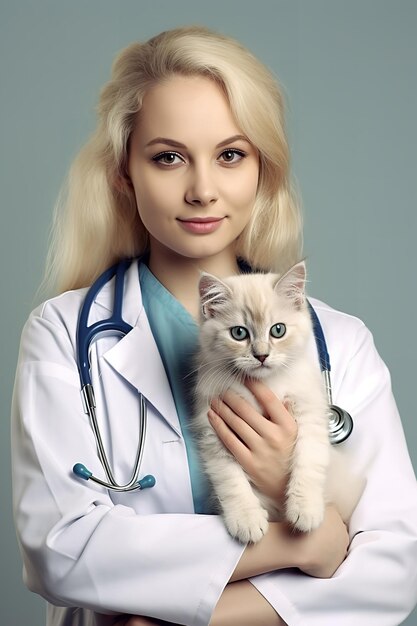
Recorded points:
176,335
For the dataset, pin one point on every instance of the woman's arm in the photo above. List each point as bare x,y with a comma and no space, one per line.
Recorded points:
263,446
318,553
79,548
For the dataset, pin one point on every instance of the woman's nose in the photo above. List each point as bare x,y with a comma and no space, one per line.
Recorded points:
201,188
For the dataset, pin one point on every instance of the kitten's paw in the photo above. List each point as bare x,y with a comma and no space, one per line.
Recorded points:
248,526
304,516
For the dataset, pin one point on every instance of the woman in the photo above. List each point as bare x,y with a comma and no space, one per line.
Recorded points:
188,171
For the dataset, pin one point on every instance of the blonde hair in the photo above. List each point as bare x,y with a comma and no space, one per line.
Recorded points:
96,221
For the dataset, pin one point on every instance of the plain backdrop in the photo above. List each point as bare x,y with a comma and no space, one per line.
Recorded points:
348,69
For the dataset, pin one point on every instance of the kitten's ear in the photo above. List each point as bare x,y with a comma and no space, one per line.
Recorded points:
292,284
213,294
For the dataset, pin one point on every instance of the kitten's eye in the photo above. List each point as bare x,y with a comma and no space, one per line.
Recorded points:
278,330
239,333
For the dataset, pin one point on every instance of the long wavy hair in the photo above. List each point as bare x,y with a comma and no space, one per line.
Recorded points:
96,221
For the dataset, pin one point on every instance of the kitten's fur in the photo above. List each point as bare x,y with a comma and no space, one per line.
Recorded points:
257,302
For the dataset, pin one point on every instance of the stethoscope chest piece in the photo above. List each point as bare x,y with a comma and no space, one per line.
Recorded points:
340,424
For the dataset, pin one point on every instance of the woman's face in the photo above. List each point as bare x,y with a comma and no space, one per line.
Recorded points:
194,174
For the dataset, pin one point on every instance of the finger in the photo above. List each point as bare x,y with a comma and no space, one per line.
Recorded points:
233,418
275,409
247,413
229,439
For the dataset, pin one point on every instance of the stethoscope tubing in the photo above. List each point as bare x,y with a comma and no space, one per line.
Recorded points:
113,324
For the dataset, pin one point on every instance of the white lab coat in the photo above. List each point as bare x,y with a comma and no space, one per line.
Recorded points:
148,553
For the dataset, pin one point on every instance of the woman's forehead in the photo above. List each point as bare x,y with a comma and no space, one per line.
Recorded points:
185,108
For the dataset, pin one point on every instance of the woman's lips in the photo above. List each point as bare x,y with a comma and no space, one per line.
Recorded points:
201,225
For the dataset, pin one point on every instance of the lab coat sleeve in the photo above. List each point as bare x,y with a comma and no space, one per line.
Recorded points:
80,549
377,583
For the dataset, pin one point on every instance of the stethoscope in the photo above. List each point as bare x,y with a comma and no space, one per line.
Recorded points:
114,325
340,422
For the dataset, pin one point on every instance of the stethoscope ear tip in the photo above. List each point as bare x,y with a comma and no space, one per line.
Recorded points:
147,482
81,471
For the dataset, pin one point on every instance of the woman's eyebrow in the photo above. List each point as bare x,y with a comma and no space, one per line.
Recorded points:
178,144
231,140
166,141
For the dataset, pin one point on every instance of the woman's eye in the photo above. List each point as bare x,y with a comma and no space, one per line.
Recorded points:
278,330
232,156
239,333
168,158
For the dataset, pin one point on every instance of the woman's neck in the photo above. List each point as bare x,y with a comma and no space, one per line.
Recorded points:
181,275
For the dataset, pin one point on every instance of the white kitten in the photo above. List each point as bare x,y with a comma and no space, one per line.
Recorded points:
258,326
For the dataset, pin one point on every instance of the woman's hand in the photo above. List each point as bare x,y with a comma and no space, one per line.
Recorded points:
317,553
261,444
322,551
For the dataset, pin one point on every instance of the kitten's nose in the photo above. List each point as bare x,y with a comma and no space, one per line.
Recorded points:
261,357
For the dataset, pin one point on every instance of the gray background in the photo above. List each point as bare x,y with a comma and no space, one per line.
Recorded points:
349,72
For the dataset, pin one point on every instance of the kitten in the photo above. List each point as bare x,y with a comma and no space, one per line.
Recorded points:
258,326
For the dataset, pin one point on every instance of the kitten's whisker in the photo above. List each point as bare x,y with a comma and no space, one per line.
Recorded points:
219,382
212,380
207,365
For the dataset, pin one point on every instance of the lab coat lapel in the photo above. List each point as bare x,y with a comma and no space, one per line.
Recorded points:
136,357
